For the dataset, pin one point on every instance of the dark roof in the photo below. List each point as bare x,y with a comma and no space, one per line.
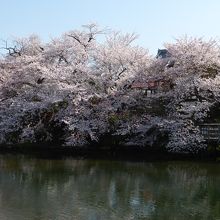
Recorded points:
163,53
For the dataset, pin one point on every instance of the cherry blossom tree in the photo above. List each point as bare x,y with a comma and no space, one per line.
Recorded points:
65,85
76,89
195,76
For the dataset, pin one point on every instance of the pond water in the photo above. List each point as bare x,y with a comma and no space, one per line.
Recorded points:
32,188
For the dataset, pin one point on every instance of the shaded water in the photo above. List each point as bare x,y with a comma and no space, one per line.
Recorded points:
95,189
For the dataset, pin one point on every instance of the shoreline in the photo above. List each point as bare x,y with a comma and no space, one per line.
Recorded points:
136,154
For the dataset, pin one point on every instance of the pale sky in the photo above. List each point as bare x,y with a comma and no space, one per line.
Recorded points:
155,21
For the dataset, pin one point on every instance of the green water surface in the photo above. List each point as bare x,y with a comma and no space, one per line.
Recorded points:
32,188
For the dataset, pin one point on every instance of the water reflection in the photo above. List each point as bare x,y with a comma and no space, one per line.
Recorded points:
89,189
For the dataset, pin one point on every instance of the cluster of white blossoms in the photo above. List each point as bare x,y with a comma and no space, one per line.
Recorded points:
75,89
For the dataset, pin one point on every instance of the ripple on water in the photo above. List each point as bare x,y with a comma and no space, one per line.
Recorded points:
91,189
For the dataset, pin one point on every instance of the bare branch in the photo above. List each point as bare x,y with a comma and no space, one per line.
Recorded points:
12,51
